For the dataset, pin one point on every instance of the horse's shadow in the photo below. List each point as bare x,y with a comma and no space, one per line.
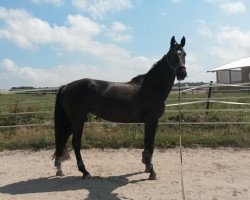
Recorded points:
98,187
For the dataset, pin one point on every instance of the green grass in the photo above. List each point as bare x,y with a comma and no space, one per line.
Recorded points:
127,135
131,136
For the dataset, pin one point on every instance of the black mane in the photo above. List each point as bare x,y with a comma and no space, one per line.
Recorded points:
158,63
138,79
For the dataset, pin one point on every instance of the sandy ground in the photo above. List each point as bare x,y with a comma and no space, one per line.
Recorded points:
118,174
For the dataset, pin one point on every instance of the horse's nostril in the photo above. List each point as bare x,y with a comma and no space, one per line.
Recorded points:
181,73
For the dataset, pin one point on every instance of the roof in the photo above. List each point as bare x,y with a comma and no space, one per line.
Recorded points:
241,63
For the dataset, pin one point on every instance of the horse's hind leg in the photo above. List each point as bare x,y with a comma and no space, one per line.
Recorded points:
76,142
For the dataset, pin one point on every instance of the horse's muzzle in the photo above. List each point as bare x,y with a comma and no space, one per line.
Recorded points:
181,73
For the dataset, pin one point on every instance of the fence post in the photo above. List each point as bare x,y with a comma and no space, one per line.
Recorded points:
209,96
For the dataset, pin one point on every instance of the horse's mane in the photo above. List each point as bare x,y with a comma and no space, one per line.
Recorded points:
140,78
156,69
159,62
137,79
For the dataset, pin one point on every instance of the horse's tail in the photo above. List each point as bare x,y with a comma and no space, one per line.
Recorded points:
61,122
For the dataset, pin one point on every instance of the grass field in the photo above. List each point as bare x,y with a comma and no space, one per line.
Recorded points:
18,109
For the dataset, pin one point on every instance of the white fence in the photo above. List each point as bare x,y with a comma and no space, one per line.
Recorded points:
204,88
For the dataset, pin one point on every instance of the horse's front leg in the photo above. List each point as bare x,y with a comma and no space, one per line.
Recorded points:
76,142
147,154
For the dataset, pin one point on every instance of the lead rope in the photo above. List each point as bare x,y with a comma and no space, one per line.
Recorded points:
182,183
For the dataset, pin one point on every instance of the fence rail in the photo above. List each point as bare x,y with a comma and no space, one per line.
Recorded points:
54,90
116,124
169,111
184,89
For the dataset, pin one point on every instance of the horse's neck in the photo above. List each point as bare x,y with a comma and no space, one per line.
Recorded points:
161,79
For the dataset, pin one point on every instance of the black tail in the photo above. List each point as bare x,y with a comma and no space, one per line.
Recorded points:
61,125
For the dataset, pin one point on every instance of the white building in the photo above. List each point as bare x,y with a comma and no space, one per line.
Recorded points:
234,72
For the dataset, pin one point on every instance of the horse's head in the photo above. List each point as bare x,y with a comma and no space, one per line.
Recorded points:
176,58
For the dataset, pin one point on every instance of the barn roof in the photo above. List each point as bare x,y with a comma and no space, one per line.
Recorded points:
241,63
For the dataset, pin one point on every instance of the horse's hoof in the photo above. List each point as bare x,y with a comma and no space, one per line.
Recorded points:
152,176
59,173
87,176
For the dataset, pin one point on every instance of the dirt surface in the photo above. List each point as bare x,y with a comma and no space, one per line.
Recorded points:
118,174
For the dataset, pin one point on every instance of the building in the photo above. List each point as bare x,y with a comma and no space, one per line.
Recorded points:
234,72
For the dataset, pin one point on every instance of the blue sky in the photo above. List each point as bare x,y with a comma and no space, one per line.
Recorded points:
53,42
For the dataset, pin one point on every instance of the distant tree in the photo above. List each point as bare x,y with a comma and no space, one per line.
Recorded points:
189,84
22,88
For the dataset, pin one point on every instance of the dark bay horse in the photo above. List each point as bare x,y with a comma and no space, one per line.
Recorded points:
140,100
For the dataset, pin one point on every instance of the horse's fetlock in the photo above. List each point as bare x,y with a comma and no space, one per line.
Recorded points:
146,157
82,169
58,161
152,176
149,168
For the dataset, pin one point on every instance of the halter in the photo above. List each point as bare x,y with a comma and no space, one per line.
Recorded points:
171,67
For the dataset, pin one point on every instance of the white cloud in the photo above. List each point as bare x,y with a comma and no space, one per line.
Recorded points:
120,37
78,34
82,5
99,8
23,29
83,26
233,7
121,70
43,77
27,73
196,72
119,27
118,33
234,36
203,28
63,74
26,31
233,43
229,7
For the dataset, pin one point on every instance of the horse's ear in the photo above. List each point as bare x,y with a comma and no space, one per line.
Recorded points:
183,41
172,43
